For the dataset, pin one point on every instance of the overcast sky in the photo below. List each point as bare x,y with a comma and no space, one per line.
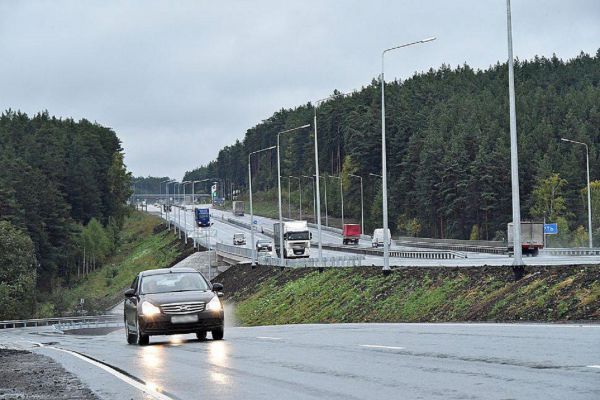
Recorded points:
178,80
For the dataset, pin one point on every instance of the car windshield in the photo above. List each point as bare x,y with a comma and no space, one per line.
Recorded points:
203,211
298,235
173,282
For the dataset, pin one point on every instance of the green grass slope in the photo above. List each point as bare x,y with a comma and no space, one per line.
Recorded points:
266,296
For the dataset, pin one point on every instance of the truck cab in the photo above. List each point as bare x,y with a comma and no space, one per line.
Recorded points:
296,239
202,217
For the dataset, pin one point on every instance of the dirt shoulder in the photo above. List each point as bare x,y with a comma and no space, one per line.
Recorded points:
26,375
267,295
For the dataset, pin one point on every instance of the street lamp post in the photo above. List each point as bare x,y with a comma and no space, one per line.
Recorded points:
318,190
185,212
160,195
169,215
299,194
253,246
318,202
589,197
279,188
386,248
314,198
514,155
178,225
289,197
341,194
362,214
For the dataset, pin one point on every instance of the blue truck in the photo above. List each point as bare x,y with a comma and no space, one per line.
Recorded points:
202,217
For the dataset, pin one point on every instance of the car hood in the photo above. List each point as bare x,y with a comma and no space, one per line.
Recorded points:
179,297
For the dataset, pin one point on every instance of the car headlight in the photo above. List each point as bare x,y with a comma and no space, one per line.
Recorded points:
214,304
149,309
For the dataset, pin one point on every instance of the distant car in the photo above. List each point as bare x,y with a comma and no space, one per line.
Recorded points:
172,301
264,246
377,240
239,239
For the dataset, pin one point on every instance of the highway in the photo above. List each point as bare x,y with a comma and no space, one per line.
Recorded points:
345,361
224,234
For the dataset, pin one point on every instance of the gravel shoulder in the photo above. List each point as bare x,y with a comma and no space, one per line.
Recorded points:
26,375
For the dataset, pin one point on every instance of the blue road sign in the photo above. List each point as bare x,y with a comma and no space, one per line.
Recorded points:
550,229
255,222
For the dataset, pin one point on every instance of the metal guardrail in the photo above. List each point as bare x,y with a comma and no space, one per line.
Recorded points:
342,261
453,245
416,254
25,323
575,251
111,321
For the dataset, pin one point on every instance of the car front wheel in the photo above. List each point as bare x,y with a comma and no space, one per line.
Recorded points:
201,336
142,339
217,334
131,338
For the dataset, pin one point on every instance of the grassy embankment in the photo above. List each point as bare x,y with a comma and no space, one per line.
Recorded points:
145,244
266,296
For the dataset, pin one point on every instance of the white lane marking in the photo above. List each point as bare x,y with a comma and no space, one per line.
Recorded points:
268,337
377,346
149,388
594,366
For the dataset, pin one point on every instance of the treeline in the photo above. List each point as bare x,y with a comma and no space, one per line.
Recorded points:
448,146
57,175
149,185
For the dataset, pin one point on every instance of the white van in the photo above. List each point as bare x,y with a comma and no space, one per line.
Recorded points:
378,238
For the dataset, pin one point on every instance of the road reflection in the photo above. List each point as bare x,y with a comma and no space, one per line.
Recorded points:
217,356
152,358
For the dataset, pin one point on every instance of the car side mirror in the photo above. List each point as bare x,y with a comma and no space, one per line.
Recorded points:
130,292
217,287
311,235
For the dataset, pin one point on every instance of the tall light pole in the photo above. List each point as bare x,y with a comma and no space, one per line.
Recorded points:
312,178
318,192
362,210
253,246
289,198
194,191
514,155
185,211
318,202
160,195
386,247
178,225
589,197
169,202
299,194
279,188
341,194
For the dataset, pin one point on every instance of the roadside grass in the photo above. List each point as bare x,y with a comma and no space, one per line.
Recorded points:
144,245
339,295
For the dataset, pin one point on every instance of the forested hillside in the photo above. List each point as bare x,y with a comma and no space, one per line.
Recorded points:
63,185
448,148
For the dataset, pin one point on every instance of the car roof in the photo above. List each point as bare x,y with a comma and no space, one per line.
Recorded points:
167,271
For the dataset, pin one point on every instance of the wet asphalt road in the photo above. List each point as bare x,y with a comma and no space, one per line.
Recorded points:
345,361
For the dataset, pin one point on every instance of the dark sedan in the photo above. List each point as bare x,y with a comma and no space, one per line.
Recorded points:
172,301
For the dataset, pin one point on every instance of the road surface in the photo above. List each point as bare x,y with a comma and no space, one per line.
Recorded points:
345,361
225,233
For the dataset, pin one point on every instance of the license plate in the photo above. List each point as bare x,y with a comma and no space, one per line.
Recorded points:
184,319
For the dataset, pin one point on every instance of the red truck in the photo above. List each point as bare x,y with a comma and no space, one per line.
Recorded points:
351,233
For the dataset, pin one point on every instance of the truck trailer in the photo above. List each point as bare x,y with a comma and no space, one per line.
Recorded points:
532,238
238,208
351,233
296,239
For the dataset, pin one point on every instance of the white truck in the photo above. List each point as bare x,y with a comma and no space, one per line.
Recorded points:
377,240
238,208
296,239
532,238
